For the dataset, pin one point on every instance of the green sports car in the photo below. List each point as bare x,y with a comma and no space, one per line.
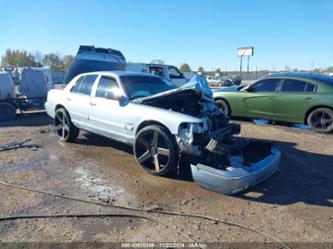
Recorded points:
289,97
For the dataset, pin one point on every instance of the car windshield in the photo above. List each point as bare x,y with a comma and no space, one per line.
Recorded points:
143,86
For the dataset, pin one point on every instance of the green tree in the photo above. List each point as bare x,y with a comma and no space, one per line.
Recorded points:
53,61
185,67
18,58
201,70
218,71
157,61
68,59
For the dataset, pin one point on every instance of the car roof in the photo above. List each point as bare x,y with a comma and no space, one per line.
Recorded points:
121,73
303,75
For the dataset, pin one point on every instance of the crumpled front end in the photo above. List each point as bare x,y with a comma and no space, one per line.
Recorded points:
222,162
239,174
192,138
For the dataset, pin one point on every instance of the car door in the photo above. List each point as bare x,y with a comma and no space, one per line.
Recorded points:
107,115
258,100
176,76
78,99
293,99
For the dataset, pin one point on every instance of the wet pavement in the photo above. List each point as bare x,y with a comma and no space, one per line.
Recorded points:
295,204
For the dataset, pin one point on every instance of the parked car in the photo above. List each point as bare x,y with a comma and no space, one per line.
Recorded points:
236,80
225,81
213,81
290,97
167,72
162,123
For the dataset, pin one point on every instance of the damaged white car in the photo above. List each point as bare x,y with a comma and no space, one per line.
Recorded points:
163,123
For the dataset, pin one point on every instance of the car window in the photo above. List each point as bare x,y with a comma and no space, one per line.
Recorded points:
86,84
106,88
267,85
77,85
290,85
310,87
156,71
174,73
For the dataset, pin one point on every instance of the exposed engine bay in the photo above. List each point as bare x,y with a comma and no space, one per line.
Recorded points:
211,142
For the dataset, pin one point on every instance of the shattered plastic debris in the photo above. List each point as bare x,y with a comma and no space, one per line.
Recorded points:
260,121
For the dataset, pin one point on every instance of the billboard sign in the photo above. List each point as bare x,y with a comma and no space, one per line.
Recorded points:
246,51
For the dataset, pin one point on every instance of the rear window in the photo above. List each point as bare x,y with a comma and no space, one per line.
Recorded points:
87,84
84,84
293,86
77,85
310,88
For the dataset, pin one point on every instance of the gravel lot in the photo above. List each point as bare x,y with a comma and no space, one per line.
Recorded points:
294,205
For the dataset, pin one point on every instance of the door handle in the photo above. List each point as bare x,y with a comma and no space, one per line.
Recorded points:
69,99
307,98
92,104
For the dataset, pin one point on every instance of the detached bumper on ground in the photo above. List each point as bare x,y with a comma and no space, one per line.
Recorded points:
238,176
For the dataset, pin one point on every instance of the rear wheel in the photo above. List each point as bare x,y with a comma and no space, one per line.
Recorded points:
223,105
64,127
156,150
321,120
7,111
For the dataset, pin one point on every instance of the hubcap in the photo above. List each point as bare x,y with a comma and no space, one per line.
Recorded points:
61,125
151,151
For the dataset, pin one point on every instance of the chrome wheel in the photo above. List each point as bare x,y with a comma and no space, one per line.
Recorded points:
64,127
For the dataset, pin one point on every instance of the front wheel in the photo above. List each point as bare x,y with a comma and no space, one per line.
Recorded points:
155,149
321,120
64,127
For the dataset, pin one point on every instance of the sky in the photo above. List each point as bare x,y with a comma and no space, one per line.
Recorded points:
207,33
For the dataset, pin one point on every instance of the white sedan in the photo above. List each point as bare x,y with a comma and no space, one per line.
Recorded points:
163,123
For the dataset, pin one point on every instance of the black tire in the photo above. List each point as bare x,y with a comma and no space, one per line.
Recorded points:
64,127
7,111
223,105
156,150
321,120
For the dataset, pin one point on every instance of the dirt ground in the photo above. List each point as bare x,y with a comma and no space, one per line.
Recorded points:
293,205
